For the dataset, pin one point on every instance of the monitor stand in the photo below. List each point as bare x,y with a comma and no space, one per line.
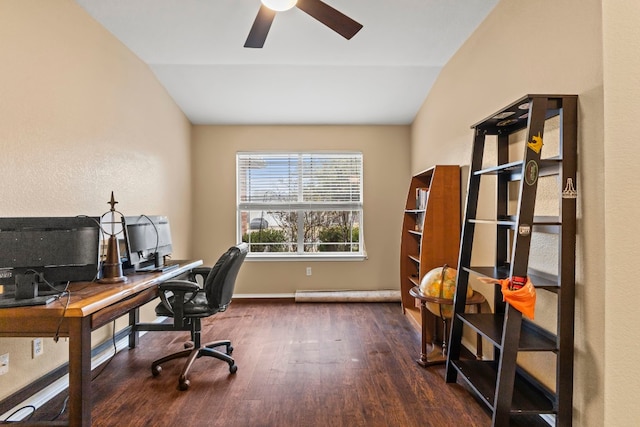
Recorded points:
157,265
26,293
26,286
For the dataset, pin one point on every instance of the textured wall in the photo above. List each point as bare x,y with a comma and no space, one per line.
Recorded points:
622,242
386,179
81,116
542,46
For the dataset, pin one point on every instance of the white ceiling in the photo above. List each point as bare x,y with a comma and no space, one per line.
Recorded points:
306,73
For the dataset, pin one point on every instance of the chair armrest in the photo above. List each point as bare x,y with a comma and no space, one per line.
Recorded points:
178,286
179,289
199,271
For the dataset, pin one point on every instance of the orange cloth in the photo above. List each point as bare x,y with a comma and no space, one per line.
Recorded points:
523,299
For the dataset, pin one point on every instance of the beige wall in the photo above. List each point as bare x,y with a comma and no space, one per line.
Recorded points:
81,116
542,46
386,178
621,380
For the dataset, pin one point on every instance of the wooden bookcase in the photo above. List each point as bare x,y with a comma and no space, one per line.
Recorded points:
430,233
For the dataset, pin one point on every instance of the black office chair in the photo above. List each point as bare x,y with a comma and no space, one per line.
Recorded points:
188,303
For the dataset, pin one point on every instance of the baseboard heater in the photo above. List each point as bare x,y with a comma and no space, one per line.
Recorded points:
348,296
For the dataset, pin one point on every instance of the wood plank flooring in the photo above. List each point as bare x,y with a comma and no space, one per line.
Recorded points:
299,364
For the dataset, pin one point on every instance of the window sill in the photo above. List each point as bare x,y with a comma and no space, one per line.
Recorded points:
260,256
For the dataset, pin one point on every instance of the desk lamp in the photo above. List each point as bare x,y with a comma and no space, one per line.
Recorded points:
112,267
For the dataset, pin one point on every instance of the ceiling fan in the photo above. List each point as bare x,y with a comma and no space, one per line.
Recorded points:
317,9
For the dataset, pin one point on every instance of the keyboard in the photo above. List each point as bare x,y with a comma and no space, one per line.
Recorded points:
26,302
166,267
154,269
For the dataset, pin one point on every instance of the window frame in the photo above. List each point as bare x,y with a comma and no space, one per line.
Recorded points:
301,207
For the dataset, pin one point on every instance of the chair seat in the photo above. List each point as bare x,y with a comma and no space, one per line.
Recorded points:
197,307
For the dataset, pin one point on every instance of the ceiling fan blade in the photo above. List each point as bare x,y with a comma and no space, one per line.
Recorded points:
260,27
337,21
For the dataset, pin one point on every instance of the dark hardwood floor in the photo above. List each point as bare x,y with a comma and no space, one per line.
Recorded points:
309,364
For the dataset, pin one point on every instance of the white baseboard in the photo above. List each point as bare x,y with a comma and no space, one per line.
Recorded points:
263,296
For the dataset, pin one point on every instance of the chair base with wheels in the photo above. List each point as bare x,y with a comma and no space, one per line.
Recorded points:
193,350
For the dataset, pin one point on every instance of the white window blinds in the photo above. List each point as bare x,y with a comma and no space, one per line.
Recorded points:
300,180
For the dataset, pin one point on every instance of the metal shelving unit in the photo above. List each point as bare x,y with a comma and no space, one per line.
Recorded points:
505,387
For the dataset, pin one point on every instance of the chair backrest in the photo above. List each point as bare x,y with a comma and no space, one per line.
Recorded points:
221,280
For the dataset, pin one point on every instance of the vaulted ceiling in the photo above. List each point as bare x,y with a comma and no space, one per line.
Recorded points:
306,73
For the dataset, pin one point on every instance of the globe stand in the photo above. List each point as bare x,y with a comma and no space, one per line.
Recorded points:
112,266
437,355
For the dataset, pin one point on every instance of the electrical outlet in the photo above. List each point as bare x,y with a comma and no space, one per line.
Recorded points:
308,271
4,363
38,348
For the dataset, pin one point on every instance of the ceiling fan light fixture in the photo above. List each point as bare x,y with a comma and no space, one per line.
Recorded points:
279,5
317,9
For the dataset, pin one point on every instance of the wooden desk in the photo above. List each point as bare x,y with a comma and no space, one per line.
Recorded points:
91,306
438,356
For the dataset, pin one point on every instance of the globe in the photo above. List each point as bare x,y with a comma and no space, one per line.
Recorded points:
441,283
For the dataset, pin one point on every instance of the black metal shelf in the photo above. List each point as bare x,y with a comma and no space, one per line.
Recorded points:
541,224
496,123
539,279
528,397
513,170
532,336
503,385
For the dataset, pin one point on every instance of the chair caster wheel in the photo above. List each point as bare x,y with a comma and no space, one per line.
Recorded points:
188,345
184,384
233,368
230,349
155,370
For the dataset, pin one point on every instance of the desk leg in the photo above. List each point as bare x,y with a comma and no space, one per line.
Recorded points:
134,319
80,371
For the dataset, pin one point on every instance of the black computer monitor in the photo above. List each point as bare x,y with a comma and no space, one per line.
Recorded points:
148,241
36,252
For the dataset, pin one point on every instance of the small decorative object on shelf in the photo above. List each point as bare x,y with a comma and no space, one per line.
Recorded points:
112,266
519,292
419,221
421,197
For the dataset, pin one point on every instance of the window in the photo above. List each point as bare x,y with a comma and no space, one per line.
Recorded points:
300,204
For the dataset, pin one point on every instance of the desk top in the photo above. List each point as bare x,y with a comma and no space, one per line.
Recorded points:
87,298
